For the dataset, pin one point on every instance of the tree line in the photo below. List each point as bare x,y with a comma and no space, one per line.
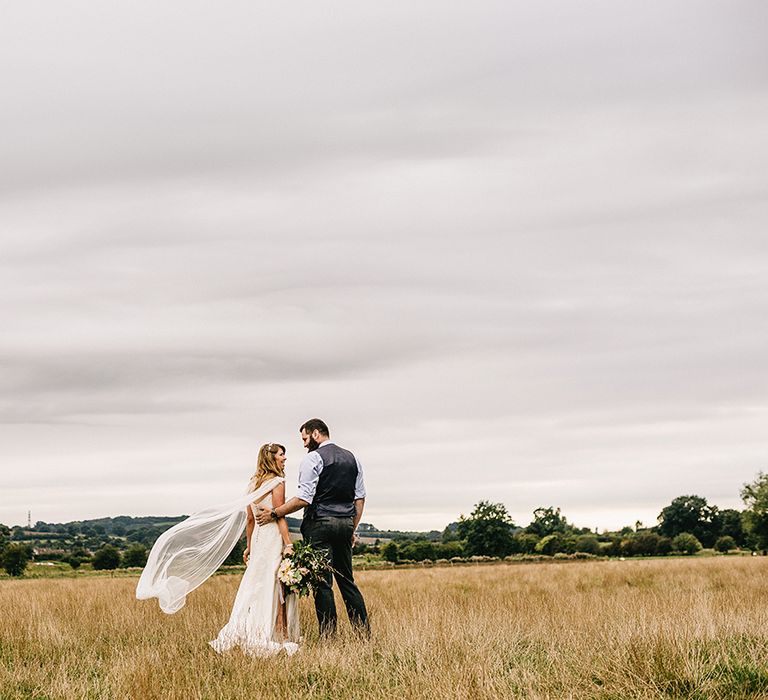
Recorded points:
685,526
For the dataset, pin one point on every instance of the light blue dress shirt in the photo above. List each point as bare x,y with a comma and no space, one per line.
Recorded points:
309,474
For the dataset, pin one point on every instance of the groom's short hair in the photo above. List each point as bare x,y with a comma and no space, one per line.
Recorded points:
315,424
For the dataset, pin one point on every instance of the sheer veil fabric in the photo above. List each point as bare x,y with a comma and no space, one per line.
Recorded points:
187,554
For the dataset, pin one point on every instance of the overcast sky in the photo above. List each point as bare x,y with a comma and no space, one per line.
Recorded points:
513,251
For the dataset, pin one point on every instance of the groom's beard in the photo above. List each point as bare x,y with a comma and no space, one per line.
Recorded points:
312,445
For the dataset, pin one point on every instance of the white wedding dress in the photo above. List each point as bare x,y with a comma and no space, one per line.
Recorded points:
190,552
253,623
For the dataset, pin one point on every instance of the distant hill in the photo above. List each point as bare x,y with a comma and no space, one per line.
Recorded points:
129,526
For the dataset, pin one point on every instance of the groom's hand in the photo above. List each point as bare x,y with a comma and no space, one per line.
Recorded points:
263,515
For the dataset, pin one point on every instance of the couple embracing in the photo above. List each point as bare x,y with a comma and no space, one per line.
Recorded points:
265,621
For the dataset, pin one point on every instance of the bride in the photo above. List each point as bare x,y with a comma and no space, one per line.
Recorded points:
263,620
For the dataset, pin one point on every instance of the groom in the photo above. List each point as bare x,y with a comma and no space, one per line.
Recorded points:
332,493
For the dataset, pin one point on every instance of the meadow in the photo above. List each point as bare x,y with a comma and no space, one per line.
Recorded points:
680,628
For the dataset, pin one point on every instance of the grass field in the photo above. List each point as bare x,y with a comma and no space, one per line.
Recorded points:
682,628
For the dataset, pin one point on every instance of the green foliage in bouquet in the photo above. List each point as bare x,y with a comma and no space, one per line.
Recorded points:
302,571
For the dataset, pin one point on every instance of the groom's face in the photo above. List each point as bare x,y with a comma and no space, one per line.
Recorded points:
309,440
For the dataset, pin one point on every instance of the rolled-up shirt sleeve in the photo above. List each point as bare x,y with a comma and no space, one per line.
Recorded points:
359,482
309,473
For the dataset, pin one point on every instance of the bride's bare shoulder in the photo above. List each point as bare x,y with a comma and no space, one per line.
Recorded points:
277,491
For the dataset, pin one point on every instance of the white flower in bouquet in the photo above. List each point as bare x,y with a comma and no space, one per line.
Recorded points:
285,571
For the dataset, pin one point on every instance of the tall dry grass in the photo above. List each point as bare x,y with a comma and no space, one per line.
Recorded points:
693,628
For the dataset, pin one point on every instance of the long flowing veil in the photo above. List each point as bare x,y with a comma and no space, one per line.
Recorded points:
187,554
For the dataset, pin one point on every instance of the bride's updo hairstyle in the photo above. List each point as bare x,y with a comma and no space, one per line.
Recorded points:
267,466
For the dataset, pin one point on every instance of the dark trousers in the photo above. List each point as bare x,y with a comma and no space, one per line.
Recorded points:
333,536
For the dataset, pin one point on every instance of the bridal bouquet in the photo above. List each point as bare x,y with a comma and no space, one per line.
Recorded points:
302,570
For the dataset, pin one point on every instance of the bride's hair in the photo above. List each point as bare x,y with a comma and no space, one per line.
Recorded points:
266,466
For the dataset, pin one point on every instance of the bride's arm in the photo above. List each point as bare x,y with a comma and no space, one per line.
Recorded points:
249,525
278,499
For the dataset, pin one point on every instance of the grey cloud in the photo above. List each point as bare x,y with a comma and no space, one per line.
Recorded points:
513,252
187,92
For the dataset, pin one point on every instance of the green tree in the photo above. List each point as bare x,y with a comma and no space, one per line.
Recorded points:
724,544
135,555
447,550
451,533
525,542
686,543
611,547
693,515
15,558
106,558
588,544
391,552
551,544
755,497
731,525
488,530
5,536
627,547
418,551
645,543
547,521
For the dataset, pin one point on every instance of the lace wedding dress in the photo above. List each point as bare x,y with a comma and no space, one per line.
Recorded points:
253,625
187,554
